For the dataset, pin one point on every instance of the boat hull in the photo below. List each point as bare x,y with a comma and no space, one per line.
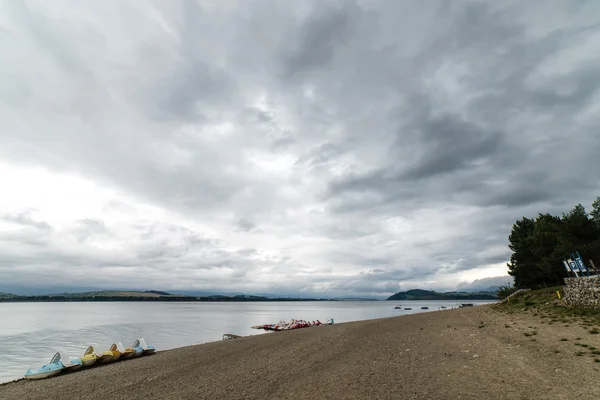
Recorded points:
138,351
47,371
104,359
88,360
42,375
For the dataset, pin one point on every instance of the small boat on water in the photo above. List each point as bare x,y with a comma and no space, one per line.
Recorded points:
398,308
145,348
407,308
443,307
424,308
463,305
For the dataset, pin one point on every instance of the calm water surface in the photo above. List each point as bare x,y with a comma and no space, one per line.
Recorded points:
30,333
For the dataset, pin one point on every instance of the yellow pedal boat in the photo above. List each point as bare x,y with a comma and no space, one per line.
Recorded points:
118,348
103,357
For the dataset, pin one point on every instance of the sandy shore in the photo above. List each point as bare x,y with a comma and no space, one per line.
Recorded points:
473,353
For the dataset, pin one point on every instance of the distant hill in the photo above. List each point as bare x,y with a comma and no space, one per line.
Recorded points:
133,295
490,284
354,299
118,293
420,294
158,292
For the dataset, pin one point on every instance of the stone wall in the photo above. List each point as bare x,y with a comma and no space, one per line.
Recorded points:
583,291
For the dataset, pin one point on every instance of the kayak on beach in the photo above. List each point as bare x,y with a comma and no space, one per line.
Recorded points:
293,324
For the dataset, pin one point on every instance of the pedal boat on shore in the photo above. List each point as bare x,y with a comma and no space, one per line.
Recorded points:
54,367
121,352
146,348
102,357
59,362
71,363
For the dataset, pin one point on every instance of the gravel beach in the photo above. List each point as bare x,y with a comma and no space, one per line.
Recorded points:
471,353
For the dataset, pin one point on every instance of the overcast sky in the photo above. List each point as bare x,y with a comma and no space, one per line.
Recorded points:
351,148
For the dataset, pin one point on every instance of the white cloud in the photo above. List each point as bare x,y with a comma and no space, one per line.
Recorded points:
299,150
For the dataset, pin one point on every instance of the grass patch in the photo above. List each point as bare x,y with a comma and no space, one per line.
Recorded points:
545,304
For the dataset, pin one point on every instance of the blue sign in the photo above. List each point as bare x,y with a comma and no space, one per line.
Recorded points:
573,265
581,264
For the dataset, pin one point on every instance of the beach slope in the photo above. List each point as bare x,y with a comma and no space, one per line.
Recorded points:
472,353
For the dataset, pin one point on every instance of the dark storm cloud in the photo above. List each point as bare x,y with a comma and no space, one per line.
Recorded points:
319,37
373,143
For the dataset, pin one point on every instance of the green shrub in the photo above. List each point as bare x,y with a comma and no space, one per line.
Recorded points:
506,290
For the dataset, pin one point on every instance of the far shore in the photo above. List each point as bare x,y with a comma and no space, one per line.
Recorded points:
470,353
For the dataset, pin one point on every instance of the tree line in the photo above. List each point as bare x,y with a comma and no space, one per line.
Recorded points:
540,245
59,298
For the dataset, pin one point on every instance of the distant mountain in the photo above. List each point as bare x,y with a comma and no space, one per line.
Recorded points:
117,293
158,292
485,284
420,294
133,295
354,299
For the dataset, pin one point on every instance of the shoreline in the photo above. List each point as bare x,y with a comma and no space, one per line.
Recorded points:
201,330
474,352
123,299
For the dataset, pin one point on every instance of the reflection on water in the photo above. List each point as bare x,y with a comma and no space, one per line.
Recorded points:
30,333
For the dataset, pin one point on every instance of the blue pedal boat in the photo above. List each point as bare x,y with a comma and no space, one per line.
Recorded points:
146,348
45,371
60,362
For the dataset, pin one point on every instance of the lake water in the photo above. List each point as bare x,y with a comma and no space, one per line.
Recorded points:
30,333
